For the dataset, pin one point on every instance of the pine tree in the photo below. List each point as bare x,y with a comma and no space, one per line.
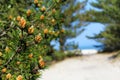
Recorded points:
109,15
71,11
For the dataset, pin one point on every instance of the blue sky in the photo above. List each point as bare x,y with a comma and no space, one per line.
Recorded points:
82,41
90,30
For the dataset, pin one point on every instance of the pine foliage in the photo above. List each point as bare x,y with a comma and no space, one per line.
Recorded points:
108,13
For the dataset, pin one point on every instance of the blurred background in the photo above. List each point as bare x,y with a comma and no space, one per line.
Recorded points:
91,26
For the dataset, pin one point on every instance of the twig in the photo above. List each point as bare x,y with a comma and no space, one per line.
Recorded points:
17,51
4,32
10,59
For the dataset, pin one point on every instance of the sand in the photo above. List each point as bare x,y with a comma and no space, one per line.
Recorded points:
93,67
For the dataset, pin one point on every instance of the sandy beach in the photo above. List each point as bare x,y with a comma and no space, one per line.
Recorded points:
94,67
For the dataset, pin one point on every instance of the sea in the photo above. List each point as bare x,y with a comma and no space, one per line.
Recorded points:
89,47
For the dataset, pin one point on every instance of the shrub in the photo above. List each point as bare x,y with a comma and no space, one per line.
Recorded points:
26,30
58,55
